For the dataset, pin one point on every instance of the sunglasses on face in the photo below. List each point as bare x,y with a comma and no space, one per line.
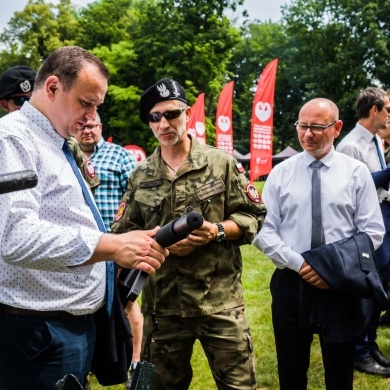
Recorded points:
156,117
19,100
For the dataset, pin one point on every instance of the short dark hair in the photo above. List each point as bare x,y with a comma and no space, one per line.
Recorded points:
368,98
66,63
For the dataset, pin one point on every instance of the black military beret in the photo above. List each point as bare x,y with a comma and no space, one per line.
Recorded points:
165,89
17,80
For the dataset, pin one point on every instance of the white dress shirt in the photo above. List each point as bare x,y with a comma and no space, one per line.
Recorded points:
47,230
358,144
348,200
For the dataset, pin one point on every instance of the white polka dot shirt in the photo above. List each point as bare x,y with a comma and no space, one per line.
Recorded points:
47,230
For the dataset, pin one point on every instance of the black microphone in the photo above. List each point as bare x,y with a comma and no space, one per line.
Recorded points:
16,181
167,235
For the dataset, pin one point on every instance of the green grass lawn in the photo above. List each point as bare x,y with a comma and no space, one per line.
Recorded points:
256,276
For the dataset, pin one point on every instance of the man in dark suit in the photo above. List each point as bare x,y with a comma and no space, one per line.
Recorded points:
302,302
364,144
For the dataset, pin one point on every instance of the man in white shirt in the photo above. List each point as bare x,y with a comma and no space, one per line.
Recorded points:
349,206
364,144
52,252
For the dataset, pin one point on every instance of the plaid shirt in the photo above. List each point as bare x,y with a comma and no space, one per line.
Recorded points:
113,164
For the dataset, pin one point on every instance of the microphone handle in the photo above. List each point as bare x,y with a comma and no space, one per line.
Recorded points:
17,181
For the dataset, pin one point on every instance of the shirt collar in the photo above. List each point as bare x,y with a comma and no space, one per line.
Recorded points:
40,120
326,160
363,132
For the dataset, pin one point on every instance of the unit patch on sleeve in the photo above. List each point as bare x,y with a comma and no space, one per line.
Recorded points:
120,212
252,193
90,169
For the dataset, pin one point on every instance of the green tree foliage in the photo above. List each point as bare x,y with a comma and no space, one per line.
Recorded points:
260,44
330,48
105,22
195,45
335,49
35,32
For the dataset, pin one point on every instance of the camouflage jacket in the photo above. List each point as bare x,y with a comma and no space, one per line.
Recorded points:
210,181
387,153
85,165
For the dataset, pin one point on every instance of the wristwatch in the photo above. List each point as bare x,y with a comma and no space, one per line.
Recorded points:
221,233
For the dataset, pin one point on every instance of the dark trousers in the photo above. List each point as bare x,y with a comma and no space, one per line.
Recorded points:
293,346
37,352
366,342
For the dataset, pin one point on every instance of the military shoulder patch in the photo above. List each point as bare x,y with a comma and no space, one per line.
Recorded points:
120,212
90,169
252,193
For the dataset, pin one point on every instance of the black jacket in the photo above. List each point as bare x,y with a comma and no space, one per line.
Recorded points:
349,267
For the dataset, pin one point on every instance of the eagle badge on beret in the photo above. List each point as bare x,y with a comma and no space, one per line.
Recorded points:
164,92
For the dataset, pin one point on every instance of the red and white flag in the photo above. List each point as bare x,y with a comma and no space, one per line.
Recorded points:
262,123
196,125
224,125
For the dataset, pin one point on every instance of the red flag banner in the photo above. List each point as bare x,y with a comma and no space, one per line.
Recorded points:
138,153
196,125
224,125
262,123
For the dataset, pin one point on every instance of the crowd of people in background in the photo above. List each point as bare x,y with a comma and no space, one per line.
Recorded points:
95,211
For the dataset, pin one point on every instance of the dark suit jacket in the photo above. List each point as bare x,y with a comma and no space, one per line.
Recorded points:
349,267
113,347
382,178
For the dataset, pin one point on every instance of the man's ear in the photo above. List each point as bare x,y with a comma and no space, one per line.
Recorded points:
338,127
188,113
51,86
4,104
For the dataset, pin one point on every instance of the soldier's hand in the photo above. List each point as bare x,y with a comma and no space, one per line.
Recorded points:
202,236
182,248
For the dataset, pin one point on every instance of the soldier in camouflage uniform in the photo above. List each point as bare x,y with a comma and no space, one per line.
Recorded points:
86,167
197,293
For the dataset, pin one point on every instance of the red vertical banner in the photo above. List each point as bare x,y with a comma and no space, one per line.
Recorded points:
224,125
262,123
196,125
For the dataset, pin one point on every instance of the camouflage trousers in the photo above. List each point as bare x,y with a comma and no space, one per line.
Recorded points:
226,341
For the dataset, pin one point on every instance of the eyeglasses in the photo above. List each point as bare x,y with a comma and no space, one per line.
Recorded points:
19,100
156,117
89,127
315,129
387,109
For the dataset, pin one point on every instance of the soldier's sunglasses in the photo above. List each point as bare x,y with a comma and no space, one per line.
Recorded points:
156,117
